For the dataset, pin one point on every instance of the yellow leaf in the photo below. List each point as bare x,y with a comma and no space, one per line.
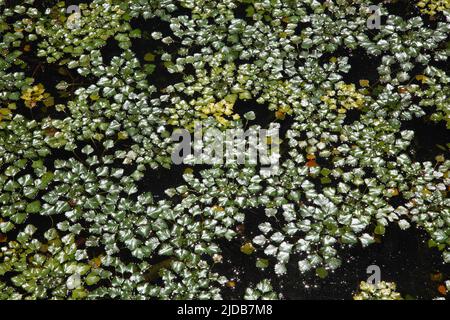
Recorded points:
94,97
364,83
49,102
96,262
394,192
280,115
122,135
422,78
149,57
247,248
5,111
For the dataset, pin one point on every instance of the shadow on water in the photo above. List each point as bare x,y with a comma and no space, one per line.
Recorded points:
363,67
263,117
429,138
157,181
110,50
352,116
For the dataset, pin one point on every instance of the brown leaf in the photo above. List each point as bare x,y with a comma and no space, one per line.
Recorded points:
312,163
442,289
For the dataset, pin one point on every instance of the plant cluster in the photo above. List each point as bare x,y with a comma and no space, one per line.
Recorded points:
80,212
380,291
433,7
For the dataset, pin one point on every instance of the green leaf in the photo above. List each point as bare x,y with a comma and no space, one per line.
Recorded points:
92,279
250,11
262,263
321,273
79,293
379,229
431,243
136,33
325,180
149,68
33,207
247,248
38,164
46,179
149,57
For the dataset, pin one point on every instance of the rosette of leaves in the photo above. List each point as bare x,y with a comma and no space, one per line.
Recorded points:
428,204
434,91
220,110
327,218
189,278
262,291
50,269
35,94
98,22
18,197
24,175
344,98
144,232
433,7
6,113
159,8
114,110
380,291
21,138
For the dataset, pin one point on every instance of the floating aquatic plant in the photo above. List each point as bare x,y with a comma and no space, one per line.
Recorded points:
380,291
433,7
32,96
90,170
263,290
